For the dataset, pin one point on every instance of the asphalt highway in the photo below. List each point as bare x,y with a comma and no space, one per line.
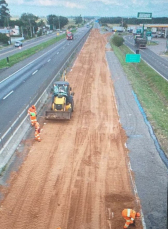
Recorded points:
19,85
11,50
158,63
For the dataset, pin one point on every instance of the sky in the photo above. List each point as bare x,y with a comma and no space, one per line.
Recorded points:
102,8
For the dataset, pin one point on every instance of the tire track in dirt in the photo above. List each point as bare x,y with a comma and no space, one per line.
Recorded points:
77,177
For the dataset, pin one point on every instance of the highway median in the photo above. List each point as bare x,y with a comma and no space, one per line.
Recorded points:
14,59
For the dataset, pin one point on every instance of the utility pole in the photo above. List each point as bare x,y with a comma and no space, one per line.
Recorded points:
30,28
21,30
59,22
122,22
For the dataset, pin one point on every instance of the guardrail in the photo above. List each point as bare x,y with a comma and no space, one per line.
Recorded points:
11,138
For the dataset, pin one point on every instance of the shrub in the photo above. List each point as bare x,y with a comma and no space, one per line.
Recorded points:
3,38
117,40
71,26
39,33
104,24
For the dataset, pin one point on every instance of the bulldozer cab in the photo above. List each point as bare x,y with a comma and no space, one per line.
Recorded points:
61,88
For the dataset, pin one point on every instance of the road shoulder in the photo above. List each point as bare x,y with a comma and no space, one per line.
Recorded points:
149,171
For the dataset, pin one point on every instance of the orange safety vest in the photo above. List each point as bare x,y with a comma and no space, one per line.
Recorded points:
33,118
32,110
32,113
129,216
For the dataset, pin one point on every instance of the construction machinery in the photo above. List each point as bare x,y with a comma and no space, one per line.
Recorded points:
62,101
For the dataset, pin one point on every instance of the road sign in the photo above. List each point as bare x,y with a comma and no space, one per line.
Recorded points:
143,15
139,31
132,58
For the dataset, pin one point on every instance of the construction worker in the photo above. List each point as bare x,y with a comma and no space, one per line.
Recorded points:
37,132
33,114
129,215
61,89
37,126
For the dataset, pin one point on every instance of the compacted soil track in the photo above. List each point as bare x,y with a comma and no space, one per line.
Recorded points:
77,177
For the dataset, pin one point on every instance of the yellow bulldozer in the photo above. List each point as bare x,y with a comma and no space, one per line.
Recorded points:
62,101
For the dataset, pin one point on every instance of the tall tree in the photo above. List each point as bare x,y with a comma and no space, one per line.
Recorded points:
4,14
51,20
29,24
56,22
78,20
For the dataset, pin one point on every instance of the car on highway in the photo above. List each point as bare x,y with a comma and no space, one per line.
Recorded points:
18,44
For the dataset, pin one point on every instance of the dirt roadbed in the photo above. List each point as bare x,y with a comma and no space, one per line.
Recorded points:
77,176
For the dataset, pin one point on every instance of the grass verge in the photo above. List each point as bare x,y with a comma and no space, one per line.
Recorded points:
29,52
152,92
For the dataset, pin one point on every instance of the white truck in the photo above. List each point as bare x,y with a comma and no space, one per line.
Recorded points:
118,29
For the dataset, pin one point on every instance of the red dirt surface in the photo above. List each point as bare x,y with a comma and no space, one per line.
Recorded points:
77,177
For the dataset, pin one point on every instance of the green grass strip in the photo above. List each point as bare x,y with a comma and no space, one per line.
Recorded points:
29,52
152,92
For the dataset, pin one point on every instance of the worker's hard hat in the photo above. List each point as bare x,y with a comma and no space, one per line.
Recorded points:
138,214
33,106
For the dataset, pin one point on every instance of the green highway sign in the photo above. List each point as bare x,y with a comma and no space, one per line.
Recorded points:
143,15
132,58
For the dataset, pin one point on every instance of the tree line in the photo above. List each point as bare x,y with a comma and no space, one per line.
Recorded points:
29,24
132,21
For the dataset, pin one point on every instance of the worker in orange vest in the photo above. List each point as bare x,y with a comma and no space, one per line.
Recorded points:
37,132
37,126
129,215
33,114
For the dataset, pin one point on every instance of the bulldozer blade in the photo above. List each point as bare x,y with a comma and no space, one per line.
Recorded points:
53,115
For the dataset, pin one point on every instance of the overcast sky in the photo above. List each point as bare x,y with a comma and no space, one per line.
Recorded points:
102,8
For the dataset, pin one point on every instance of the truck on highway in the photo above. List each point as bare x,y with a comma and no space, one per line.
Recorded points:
140,38
69,35
118,29
140,41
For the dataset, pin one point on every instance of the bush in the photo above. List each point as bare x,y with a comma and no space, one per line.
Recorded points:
39,33
4,39
104,24
117,40
71,26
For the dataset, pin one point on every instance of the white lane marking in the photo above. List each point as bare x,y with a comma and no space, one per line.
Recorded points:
49,60
149,64
26,45
8,95
29,64
57,52
35,72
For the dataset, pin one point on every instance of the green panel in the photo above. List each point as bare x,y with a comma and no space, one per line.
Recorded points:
132,58
143,15
138,31
148,33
